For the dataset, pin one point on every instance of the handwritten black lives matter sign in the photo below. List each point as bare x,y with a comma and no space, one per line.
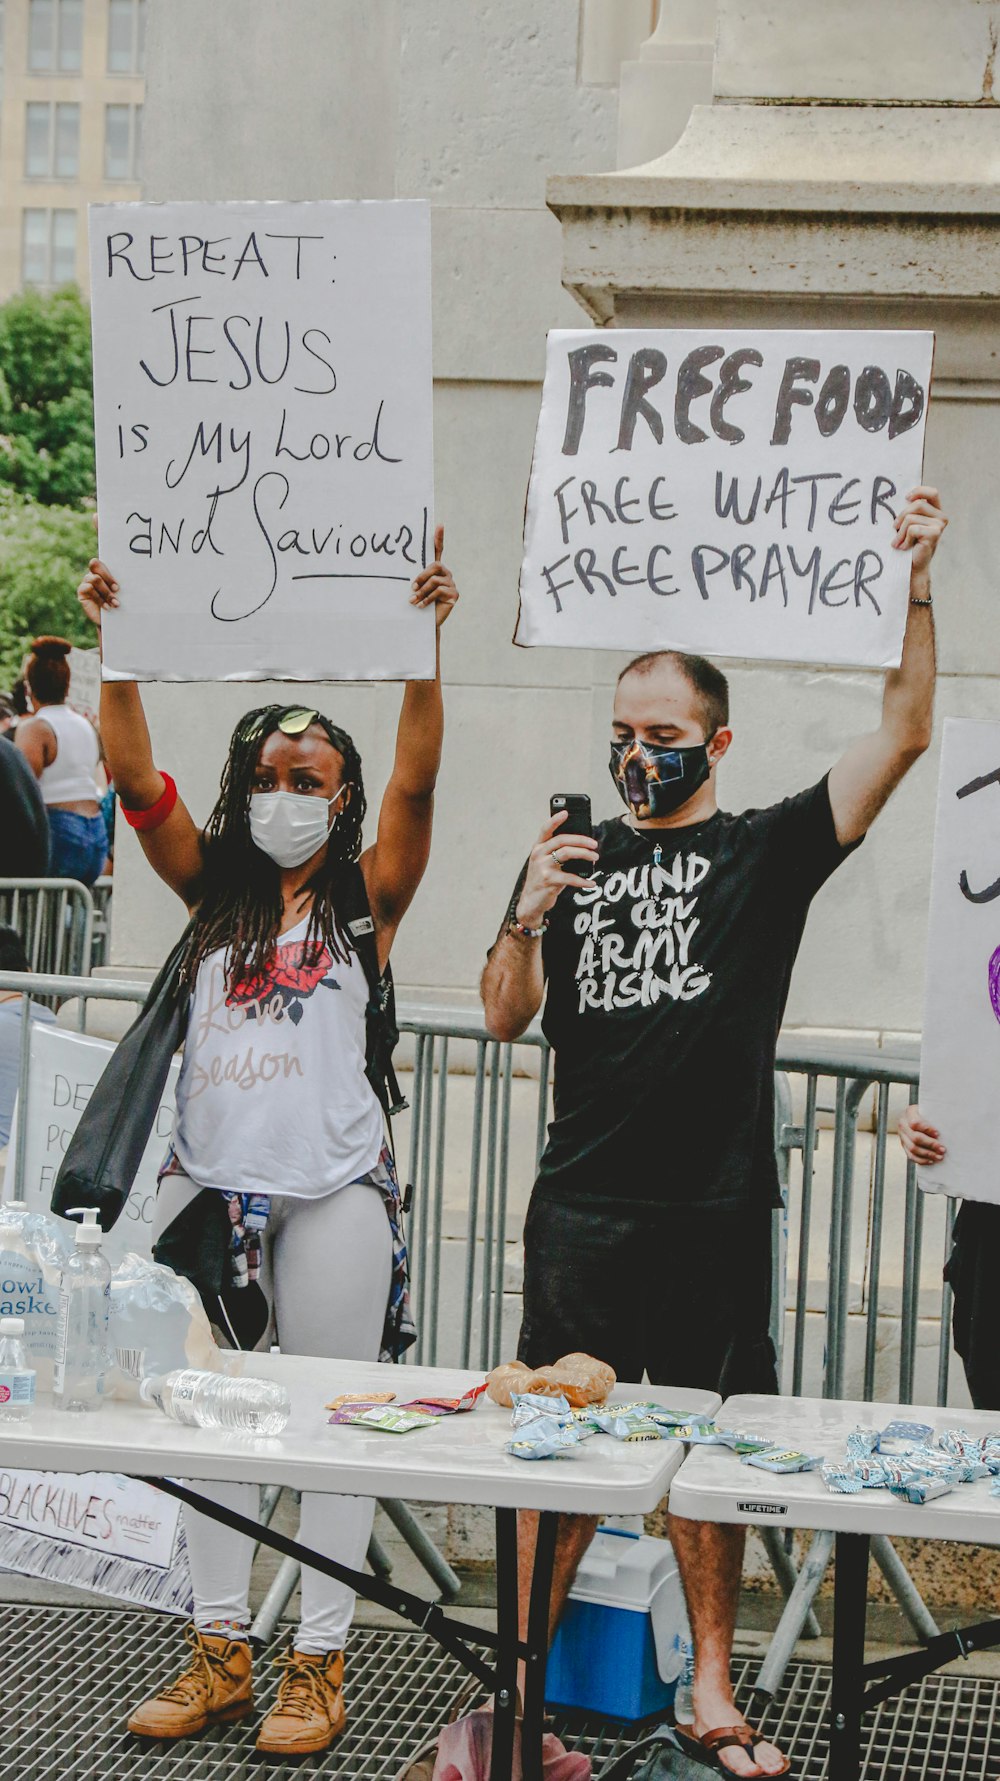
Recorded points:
960,1052
725,493
262,382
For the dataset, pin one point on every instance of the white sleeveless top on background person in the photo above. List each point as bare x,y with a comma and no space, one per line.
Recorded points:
272,1096
72,775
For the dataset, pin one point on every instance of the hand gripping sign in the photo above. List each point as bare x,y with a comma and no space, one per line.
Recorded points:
726,493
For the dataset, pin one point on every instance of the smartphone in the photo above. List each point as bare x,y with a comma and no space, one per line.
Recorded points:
578,822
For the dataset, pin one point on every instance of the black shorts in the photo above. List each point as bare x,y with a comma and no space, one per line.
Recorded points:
682,1295
973,1272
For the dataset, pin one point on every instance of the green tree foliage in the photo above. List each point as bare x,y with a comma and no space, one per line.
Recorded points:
47,478
46,407
43,553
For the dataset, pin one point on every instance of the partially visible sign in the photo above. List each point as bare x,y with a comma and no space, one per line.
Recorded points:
98,1530
960,1053
85,681
262,391
725,493
64,1068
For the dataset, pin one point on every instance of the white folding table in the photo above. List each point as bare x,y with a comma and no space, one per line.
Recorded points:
459,1460
714,1485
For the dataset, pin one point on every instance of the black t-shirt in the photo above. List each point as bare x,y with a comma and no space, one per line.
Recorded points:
24,826
667,981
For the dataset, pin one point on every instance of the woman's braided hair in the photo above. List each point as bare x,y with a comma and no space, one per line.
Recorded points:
240,906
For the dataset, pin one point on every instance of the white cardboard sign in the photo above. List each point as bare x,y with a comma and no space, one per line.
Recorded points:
100,1531
262,390
725,493
64,1068
85,681
960,1054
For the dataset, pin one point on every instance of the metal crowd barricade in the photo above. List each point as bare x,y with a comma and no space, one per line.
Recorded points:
60,921
56,990
858,1077
836,1086
832,1135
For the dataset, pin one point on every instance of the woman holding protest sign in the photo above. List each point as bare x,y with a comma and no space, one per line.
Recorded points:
279,1132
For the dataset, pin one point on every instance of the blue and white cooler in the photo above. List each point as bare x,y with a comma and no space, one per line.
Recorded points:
624,1640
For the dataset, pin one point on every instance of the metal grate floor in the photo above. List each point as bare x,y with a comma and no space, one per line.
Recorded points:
68,1677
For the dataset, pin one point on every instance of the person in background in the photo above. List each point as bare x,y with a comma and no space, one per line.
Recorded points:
64,752
8,716
12,958
24,825
971,1270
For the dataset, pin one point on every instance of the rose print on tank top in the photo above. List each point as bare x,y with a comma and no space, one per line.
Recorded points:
283,988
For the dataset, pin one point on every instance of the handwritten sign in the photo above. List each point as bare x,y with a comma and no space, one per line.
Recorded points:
97,1530
63,1070
960,1055
85,681
722,493
262,388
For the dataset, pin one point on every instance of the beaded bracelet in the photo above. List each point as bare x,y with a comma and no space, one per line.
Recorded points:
914,602
521,931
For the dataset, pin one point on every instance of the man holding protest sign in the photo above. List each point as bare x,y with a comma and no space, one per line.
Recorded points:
666,943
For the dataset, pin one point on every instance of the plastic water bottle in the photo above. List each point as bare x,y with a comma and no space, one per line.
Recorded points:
17,1379
213,1401
84,1312
684,1695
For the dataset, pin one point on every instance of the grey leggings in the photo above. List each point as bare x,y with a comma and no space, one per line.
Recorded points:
326,1270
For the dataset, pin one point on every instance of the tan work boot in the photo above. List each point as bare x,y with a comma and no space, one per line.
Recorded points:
216,1686
309,1710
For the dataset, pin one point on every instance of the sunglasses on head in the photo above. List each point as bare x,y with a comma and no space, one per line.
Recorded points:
294,723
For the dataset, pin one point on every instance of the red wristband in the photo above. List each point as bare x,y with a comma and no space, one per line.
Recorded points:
144,820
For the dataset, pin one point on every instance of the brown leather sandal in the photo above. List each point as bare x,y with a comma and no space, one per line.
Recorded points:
728,1737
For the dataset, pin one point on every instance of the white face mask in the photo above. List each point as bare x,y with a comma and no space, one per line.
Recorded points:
290,826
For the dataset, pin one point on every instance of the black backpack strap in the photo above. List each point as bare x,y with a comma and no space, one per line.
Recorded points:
381,1033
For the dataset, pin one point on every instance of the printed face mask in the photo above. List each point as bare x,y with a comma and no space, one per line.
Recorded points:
290,826
656,781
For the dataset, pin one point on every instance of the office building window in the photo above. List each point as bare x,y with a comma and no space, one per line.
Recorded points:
52,141
55,36
126,36
122,141
48,247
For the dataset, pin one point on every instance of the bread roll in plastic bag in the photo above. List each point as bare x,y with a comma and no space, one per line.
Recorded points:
578,1377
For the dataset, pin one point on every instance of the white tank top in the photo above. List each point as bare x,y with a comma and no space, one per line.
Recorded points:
71,776
272,1096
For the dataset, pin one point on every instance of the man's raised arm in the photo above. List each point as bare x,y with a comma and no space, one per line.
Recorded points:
865,777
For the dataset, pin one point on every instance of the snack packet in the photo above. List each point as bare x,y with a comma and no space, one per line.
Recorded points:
920,1490
364,1398
447,1406
981,1451
391,1419
777,1460
527,1407
625,1422
544,1438
899,1437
